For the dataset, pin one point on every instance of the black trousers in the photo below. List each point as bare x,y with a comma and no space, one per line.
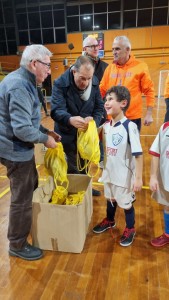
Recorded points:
23,178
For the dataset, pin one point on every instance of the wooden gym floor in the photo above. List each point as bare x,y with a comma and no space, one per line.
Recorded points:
104,270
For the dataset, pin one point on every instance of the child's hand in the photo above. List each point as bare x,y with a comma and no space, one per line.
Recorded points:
154,186
137,186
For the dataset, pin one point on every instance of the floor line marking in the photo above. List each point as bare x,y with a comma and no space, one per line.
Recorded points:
4,192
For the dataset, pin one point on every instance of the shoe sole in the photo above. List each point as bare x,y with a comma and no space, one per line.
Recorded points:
126,245
105,229
14,254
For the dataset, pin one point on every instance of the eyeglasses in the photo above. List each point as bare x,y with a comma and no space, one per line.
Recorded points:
43,63
92,46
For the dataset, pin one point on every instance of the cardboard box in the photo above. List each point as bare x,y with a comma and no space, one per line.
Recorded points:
62,227
39,151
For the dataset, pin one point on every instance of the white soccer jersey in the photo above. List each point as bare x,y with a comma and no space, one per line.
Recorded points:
160,148
119,162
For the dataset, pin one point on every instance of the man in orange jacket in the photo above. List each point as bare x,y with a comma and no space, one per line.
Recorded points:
133,74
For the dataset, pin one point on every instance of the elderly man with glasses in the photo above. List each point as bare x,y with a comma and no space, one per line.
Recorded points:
20,129
91,49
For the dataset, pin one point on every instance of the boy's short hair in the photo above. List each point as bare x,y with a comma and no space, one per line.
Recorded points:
122,93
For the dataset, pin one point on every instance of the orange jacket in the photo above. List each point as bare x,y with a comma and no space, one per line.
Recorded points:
166,88
135,76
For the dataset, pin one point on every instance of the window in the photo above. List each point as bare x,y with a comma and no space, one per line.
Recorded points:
23,38
35,37
86,9
8,14
34,20
114,20
130,4
22,21
12,48
73,24
59,18
2,34
160,3
10,33
160,16
114,6
144,3
129,19
100,7
100,22
60,35
144,18
48,37
86,22
3,48
46,19
72,10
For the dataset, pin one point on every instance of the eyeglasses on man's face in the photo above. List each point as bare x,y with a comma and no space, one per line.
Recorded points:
48,65
93,47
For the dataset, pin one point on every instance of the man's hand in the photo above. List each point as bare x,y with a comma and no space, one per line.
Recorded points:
55,135
148,118
50,143
78,122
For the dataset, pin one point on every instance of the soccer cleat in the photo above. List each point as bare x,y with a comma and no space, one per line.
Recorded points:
127,237
160,241
104,225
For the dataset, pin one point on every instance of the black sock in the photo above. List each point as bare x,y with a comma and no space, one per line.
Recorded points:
130,217
111,210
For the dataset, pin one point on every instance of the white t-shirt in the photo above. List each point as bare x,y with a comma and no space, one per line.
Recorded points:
160,148
119,161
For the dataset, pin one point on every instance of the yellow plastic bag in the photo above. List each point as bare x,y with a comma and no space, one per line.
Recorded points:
75,199
56,164
88,148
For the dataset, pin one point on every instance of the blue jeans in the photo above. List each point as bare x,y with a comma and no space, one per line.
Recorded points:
23,178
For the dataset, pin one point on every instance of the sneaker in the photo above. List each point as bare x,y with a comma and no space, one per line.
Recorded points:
28,252
127,237
160,241
104,225
96,193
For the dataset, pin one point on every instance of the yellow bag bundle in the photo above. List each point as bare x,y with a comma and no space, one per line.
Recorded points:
75,199
56,164
59,195
88,148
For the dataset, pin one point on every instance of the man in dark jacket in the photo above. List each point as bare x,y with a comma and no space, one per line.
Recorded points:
75,101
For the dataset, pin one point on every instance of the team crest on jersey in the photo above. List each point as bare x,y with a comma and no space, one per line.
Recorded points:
116,139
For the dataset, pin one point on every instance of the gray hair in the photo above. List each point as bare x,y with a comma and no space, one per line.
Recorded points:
82,60
88,40
34,52
124,40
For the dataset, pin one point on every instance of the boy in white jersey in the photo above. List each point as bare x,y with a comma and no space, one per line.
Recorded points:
159,182
122,173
